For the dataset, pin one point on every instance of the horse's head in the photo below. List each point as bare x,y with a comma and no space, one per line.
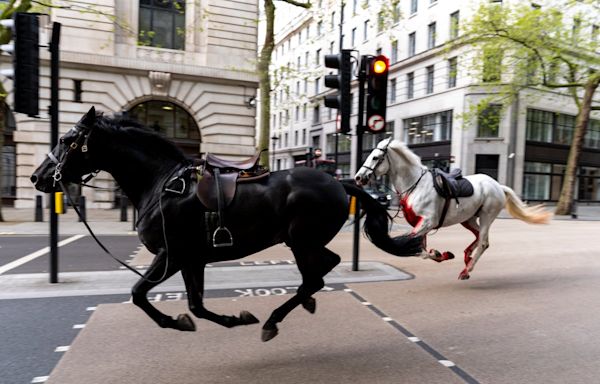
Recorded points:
68,161
376,164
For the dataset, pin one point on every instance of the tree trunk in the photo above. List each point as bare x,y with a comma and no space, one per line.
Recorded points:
265,83
565,201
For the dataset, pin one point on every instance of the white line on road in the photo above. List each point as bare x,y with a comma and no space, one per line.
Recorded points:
40,379
62,348
32,256
79,326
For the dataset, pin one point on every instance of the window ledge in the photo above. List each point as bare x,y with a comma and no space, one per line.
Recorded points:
489,139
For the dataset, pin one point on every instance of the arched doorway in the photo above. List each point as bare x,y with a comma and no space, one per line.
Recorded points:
8,184
170,120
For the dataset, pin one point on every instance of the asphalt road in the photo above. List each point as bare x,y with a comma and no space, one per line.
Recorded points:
527,315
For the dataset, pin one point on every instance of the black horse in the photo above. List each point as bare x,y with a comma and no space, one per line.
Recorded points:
301,207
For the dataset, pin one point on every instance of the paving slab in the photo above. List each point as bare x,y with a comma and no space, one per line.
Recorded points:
344,342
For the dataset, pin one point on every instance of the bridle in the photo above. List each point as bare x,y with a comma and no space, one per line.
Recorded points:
380,160
79,142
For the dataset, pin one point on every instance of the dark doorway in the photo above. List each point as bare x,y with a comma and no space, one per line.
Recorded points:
487,164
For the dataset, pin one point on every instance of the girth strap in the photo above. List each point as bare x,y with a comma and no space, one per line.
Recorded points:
221,231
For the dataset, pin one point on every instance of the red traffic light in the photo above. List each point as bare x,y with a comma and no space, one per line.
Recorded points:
380,65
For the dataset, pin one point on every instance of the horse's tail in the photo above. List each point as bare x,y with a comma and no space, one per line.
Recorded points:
518,209
377,224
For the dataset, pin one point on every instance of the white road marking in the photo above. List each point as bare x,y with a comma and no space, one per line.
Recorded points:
416,340
387,319
90,309
79,326
62,348
446,363
40,379
32,256
347,290
365,303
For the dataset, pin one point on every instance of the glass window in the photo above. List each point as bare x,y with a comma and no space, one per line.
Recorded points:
428,128
592,136
394,51
392,91
536,183
431,35
454,24
166,118
410,85
492,66
414,6
162,24
412,44
452,72
488,121
539,125
430,77
565,125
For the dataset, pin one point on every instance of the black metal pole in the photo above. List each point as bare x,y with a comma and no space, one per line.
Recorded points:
54,77
362,75
337,135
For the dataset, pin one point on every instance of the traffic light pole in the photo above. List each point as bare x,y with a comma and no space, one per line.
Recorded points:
54,77
362,75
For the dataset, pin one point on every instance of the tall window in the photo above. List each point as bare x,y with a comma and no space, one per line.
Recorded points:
162,24
394,51
488,121
414,6
412,44
392,91
366,31
452,72
430,77
316,114
353,37
431,35
410,85
454,24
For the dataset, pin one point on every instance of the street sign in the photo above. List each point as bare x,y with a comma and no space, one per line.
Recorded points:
376,123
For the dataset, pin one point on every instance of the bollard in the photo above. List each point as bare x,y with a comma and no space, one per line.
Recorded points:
81,206
39,212
124,204
574,209
133,219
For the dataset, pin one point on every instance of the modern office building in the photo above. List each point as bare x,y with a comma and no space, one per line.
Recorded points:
524,145
183,68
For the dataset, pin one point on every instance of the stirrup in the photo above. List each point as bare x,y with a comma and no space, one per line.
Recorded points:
225,243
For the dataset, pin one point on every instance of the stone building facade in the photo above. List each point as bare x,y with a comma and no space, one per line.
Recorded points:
184,68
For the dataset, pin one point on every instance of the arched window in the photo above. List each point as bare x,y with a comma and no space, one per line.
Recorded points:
162,23
170,120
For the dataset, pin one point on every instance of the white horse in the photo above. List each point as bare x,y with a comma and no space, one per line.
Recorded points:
424,208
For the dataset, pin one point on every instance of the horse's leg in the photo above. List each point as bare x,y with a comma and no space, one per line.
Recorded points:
159,271
194,283
424,226
313,265
472,226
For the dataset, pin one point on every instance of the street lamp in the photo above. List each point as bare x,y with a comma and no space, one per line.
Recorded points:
274,139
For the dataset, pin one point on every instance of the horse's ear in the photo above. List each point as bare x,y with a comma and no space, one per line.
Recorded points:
90,118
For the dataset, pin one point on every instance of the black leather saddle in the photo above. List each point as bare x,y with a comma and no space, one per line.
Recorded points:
451,185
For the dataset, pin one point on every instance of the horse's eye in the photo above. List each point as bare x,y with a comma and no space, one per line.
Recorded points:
375,158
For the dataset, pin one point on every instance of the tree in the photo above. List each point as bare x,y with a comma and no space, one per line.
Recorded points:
523,46
264,62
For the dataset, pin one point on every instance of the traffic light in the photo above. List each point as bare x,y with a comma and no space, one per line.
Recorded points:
342,101
377,76
26,61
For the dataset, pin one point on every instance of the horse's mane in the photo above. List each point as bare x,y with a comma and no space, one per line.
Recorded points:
142,135
403,150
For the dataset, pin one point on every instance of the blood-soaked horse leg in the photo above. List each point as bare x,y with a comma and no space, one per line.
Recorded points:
472,226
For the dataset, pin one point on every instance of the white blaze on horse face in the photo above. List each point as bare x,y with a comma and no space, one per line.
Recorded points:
377,163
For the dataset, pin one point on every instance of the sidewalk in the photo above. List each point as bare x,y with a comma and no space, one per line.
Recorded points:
107,221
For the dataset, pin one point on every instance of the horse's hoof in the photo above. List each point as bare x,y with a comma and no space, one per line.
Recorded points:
246,318
310,305
269,333
464,275
448,255
436,256
185,323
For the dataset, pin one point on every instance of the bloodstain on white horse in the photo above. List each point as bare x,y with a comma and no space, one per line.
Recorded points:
422,206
